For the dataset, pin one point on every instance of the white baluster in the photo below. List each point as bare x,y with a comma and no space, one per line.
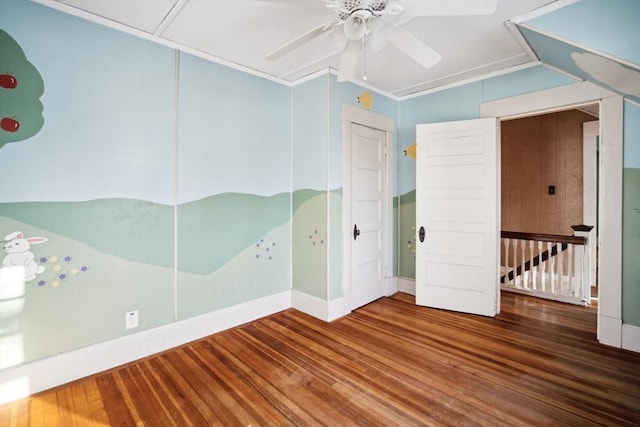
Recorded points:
515,262
523,277
539,268
550,268
570,270
579,272
505,260
531,282
560,269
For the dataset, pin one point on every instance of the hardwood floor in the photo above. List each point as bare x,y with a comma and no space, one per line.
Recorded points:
388,363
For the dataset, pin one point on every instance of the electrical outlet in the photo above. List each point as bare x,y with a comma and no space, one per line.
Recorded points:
131,319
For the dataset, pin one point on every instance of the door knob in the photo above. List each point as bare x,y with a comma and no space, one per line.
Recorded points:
421,234
356,232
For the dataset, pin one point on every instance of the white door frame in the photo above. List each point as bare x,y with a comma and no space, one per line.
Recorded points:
610,206
590,134
351,114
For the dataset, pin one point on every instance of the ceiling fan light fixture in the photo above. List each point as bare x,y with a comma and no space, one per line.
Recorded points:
355,27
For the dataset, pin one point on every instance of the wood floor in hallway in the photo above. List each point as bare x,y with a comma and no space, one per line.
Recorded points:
388,363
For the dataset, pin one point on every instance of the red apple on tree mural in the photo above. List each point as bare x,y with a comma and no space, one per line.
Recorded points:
21,87
10,124
8,81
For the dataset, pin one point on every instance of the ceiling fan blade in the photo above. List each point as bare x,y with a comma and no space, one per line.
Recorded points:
349,60
300,40
412,46
297,2
447,7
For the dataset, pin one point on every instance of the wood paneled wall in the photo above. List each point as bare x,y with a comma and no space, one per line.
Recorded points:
537,152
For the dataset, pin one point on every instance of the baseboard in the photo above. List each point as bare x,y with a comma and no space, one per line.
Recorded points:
30,378
391,286
610,331
631,337
317,307
408,286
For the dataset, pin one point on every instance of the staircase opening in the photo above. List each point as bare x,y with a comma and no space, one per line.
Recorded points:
549,186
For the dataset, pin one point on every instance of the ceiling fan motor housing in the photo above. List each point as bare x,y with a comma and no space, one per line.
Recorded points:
372,6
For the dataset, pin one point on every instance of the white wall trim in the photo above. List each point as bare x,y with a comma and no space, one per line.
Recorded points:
544,101
391,286
609,330
408,286
364,117
590,134
631,337
317,307
70,10
30,378
536,13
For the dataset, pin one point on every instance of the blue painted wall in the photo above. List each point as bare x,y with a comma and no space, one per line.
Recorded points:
105,175
609,26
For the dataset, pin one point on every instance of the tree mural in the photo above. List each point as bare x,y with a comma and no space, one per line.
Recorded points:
21,87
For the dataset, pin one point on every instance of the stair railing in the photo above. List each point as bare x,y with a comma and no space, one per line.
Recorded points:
546,265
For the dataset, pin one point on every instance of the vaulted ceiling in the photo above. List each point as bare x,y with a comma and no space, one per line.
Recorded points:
241,33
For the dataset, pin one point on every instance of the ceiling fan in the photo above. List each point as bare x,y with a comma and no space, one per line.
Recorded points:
363,24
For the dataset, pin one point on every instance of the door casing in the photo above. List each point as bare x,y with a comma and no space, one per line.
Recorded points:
610,178
351,114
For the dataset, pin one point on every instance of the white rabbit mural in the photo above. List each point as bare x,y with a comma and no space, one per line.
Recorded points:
18,254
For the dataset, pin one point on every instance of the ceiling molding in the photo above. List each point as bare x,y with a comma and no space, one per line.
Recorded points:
70,10
515,32
443,85
541,11
175,10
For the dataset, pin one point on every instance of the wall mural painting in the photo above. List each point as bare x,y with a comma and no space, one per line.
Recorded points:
411,151
314,239
265,249
21,87
21,265
366,100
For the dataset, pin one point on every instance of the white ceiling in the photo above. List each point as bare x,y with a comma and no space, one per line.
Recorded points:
243,32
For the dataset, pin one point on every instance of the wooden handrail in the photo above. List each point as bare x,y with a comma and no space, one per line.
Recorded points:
558,238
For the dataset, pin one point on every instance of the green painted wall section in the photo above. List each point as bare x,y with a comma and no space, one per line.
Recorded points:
406,205
260,269
134,230
309,257
79,299
631,247
213,230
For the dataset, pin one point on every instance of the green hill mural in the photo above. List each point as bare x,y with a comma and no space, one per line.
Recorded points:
134,230
211,231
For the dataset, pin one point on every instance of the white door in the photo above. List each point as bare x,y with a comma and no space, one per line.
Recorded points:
367,229
458,216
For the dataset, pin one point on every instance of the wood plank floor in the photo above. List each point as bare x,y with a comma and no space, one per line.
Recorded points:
388,363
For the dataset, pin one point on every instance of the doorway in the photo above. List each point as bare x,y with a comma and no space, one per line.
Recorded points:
610,179
549,184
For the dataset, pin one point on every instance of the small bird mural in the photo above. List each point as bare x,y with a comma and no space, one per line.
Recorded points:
411,151
366,100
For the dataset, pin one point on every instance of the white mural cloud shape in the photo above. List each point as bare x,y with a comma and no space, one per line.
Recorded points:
609,72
